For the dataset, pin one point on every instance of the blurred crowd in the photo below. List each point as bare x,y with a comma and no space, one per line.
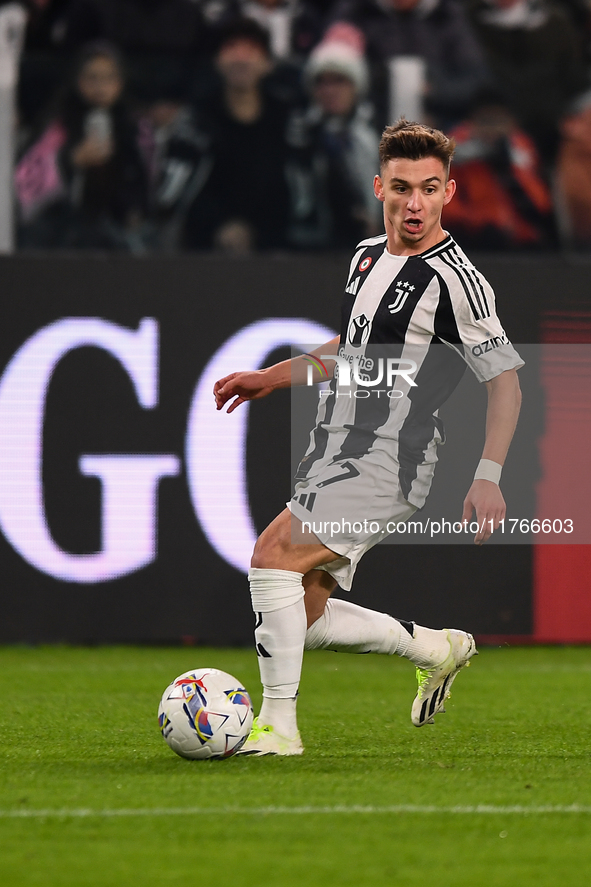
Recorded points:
247,125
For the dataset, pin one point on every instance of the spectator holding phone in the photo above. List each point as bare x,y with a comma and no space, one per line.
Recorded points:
82,184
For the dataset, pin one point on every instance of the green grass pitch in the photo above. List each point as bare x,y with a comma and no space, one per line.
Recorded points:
91,795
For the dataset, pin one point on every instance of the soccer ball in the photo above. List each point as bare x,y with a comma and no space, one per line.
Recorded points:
205,714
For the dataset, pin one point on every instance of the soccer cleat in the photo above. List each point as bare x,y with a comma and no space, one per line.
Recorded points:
263,740
435,682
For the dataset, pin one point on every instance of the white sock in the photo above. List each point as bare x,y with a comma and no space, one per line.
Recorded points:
346,627
280,631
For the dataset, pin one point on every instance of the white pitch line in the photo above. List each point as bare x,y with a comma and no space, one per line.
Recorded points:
476,810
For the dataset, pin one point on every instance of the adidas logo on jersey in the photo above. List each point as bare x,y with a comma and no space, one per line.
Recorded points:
353,287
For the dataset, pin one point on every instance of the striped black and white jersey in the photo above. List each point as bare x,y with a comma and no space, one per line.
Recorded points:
434,311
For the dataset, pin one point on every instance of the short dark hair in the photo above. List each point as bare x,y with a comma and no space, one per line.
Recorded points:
97,49
244,29
415,141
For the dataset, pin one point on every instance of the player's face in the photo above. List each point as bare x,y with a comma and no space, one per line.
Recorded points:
414,193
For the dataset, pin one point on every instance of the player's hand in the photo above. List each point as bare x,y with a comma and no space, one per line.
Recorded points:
242,387
485,498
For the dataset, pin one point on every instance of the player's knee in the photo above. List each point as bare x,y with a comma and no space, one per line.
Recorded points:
267,553
272,548
259,559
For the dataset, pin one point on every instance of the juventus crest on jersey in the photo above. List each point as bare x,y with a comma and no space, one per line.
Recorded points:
434,310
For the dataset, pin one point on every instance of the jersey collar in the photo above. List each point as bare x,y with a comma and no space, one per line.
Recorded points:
440,247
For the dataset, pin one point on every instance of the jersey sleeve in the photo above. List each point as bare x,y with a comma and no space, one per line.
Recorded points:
481,340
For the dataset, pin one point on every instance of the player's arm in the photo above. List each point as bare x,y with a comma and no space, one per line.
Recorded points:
484,496
259,383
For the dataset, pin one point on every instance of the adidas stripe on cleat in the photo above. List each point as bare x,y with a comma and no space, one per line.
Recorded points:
264,740
435,683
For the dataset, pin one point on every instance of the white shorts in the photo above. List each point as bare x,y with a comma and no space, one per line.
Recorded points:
348,506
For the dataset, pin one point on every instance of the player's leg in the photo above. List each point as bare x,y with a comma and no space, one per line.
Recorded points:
437,654
339,625
335,624
278,567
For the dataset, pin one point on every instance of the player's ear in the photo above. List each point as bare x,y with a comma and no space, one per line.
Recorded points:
450,190
378,188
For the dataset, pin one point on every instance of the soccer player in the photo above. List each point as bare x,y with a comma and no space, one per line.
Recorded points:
412,288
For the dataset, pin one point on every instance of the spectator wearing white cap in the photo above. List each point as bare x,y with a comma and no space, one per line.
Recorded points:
334,150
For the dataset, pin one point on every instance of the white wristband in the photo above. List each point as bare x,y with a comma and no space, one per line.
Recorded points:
488,470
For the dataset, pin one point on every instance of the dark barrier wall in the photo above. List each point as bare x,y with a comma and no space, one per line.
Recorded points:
125,511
